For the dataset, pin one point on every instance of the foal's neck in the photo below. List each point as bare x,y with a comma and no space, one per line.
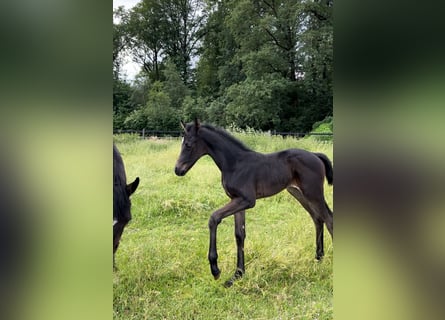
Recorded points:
224,149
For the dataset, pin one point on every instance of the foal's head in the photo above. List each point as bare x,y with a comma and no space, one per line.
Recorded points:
193,147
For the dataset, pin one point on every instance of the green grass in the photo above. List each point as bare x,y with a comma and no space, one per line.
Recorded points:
163,272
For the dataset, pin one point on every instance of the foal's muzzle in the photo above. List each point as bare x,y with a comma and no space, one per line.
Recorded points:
180,170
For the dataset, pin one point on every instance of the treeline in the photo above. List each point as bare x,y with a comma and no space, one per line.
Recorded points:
263,64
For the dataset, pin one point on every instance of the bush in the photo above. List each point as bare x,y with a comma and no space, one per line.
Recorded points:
157,114
324,126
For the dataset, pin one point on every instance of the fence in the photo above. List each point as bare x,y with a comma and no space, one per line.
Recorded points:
159,133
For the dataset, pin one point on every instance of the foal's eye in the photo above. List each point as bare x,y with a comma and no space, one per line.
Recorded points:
186,144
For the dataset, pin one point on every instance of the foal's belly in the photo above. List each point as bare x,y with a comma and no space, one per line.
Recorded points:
271,186
262,193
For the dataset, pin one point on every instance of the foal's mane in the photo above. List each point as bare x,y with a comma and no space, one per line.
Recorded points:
227,136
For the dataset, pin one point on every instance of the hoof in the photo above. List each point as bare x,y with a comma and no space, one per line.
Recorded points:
238,275
229,283
215,272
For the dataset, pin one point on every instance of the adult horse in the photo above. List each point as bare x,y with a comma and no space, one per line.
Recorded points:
121,198
248,175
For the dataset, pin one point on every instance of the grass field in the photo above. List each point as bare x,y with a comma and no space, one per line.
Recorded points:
163,272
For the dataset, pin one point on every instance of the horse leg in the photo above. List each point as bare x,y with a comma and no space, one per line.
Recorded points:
319,234
329,220
118,229
240,235
235,205
316,216
323,216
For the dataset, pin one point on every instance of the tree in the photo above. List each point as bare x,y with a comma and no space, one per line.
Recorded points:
217,69
174,86
288,39
257,103
194,108
144,25
123,104
266,33
157,30
316,54
157,114
265,64
118,47
184,24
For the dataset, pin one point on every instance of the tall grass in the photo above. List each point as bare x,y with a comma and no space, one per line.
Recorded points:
163,271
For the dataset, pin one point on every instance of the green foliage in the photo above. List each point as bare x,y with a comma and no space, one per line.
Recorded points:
263,62
157,114
324,126
256,103
162,262
217,111
118,47
123,105
141,89
174,86
164,30
260,64
277,71
194,108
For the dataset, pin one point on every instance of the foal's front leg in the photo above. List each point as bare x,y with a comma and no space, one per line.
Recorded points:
236,205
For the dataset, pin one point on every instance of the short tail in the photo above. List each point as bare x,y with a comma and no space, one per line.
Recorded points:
328,167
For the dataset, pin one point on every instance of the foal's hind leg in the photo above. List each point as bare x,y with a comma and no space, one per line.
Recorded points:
320,214
329,220
240,235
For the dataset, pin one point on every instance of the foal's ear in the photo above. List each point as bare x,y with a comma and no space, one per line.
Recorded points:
183,126
197,124
132,186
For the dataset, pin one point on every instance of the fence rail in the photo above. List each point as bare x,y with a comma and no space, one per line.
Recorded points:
160,133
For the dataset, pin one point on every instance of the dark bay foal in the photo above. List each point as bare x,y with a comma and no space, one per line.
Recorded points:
248,175
121,198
